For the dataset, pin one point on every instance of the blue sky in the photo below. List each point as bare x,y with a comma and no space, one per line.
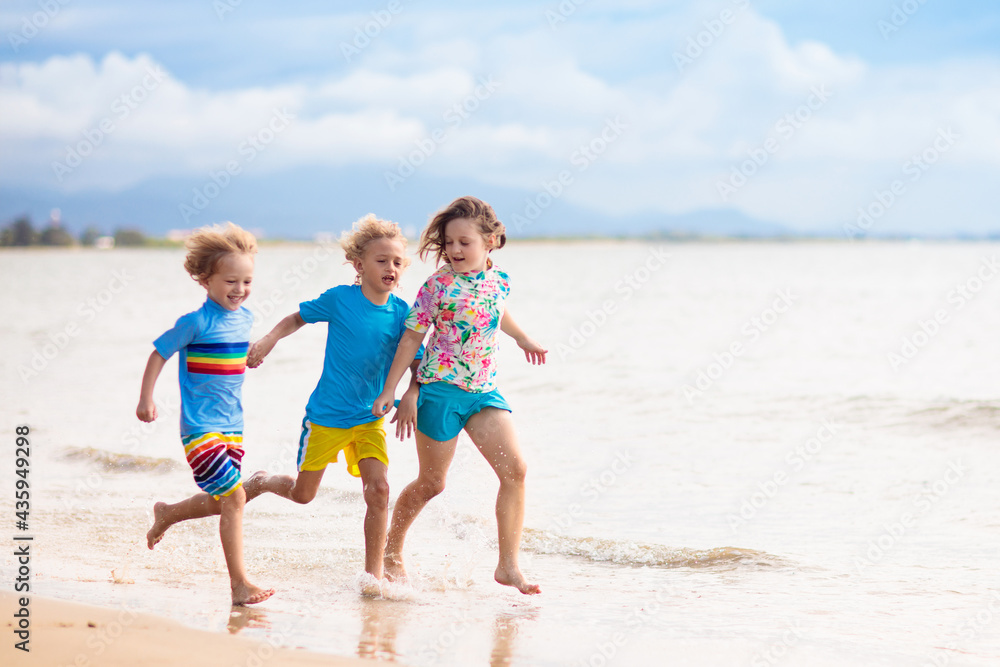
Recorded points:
848,118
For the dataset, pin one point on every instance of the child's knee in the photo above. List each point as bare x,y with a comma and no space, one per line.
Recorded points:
516,472
303,495
377,493
233,503
432,486
237,498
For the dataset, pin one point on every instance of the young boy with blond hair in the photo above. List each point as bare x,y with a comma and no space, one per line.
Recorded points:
212,343
365,321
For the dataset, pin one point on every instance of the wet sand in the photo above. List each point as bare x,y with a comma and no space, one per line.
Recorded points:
67,633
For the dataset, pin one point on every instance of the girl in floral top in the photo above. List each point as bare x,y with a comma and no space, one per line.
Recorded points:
464,301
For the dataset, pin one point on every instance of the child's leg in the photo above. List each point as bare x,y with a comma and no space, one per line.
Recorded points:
231,533
215,461
314,452
301,489
492,430
375,482
201,505
434,458
165,515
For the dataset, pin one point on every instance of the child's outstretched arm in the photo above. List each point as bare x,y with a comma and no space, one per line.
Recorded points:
147,408
533,352
263,347
405,418
406,352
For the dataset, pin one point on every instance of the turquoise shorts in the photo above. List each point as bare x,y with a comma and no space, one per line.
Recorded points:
443,408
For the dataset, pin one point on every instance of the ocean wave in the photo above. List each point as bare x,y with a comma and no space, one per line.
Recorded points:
115,462
907,413
959,414
636,554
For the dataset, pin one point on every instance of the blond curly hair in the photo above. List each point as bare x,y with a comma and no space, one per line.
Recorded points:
210,244
364,231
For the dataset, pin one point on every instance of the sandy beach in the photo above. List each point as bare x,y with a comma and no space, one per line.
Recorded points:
67,633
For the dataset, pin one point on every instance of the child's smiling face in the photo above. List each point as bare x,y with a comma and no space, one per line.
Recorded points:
464,246
381,266
229,285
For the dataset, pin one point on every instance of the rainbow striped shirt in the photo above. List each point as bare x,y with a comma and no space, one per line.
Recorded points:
217,358
213,343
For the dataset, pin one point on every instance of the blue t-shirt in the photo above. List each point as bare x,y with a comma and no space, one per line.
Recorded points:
361,341
213,343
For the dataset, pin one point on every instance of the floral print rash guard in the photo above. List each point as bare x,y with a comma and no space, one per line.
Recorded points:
465,309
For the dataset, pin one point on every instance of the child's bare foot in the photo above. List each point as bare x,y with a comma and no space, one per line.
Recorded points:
252,486
513,577
370,585
250,594
394,570
160,525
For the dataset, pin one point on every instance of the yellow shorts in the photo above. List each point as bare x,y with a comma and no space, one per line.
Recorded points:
321,445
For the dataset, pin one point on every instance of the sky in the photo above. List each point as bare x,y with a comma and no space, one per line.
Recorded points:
853,118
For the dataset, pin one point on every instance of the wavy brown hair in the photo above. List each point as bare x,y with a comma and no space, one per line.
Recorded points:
481,213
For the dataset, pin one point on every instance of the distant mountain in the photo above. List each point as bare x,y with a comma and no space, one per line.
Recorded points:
300,203
722,223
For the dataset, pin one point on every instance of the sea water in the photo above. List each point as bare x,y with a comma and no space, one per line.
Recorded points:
740,453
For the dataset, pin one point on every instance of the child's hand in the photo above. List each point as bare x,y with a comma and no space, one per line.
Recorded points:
383,403
146,411
405,418
258,351
533,352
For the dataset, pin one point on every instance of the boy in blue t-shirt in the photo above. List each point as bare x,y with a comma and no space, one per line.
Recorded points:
213,343
365,322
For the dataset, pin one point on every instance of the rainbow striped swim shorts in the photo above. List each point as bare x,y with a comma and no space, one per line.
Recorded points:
215,461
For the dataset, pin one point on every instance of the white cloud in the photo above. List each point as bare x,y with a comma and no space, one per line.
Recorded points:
425,93
685,130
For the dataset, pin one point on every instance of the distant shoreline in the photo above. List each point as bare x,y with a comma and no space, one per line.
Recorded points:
169,244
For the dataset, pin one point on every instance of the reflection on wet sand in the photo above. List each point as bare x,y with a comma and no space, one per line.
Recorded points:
505,631
247,617
379,623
